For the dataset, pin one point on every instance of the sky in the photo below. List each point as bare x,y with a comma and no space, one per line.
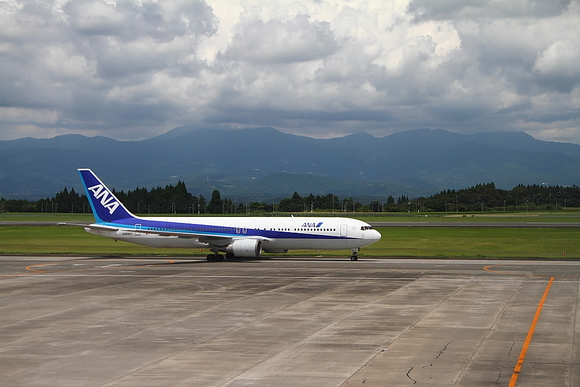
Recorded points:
135,69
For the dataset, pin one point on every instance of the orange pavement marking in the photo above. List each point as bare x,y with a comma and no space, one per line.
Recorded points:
489,268
31,268
520,362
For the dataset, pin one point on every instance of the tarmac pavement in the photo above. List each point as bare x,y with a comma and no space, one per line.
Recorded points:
113,321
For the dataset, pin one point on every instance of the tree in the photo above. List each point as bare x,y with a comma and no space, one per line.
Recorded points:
201,207
215,205
293,204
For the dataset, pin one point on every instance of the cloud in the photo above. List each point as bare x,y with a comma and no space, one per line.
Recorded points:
277,41
78,58
485,9
135,68
556,68
128,20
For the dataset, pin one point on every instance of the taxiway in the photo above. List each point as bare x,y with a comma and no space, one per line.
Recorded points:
112,321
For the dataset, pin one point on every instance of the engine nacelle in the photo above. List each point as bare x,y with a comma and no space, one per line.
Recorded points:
245,248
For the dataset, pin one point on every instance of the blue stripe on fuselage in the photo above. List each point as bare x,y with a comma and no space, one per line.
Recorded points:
212,230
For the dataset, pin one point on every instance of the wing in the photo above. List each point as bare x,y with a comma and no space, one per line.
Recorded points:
216,240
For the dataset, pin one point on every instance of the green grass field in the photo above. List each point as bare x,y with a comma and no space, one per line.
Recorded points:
396,242
478,242
571,215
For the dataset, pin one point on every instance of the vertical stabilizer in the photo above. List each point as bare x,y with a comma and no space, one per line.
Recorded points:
106,207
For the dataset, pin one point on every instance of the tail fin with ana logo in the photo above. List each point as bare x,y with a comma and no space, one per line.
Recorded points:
106,207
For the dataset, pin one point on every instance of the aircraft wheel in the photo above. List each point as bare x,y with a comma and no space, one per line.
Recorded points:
230,256
354,258
211,258
219,258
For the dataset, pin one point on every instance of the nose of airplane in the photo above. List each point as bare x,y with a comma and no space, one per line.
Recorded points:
374,235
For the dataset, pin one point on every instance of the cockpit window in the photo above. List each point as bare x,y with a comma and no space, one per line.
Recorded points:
363,228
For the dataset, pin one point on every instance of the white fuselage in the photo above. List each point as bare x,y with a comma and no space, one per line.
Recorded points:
278,234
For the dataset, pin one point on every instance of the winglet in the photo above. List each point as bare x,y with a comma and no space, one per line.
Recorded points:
106,207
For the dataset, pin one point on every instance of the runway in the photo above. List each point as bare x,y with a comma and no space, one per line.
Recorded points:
112,321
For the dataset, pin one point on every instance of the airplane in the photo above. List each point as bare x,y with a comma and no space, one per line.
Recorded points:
238,237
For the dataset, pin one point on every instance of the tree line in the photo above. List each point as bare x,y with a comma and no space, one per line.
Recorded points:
486,197
177,200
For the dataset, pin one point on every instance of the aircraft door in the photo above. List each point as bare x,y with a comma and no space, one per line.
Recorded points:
343,230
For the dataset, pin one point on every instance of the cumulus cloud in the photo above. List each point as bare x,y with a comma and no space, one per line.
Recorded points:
485,9
135,68
276,41
76,58
556,68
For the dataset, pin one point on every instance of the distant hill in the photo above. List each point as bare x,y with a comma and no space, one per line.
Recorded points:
263,163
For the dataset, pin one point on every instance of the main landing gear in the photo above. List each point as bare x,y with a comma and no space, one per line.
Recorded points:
354,256
217,257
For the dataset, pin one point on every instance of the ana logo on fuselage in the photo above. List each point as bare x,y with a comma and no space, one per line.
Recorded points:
311,225
107,198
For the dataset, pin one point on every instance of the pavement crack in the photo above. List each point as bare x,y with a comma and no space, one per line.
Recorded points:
409,375
443,350
498,378
511,348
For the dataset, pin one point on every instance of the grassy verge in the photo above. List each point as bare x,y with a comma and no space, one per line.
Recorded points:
33,240
396,242
478,242
561,216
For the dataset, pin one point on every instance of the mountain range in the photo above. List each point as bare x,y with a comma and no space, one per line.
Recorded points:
263,164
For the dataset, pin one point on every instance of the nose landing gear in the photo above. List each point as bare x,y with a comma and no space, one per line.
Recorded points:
354,256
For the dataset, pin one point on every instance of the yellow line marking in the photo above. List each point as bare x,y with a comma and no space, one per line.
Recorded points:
520,362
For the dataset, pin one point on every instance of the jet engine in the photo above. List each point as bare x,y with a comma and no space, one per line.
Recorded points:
245,248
